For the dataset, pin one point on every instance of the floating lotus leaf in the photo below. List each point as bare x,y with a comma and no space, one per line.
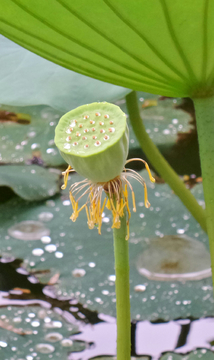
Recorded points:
31,326
203,354
33,142
71,248
30,182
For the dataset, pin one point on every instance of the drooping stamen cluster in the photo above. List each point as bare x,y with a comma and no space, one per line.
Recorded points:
116,197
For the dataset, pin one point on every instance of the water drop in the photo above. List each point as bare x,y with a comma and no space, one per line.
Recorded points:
53,337
45,348
3,344
174,257
45,239
112,277
35,323
28,230
45,216
66,342
37,252
140,288
50,248
78,272
58,254
91,264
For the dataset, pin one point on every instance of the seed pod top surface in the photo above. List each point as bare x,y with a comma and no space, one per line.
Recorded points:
93,139
90,129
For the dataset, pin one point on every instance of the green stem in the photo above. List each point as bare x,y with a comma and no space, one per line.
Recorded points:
121,254
160,164
205,125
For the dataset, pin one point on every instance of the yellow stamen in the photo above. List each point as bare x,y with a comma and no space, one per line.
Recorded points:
108,205
149,172
146,202
146,166
133,201
66,174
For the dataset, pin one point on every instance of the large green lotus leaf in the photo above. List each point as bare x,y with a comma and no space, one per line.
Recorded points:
163,47
35,323
74,247
33,142
30,182
28,79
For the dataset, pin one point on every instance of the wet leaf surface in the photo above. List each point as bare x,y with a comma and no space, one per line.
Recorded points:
32,143
50,334
72,247
30,182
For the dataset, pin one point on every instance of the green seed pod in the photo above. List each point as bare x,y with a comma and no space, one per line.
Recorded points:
93,139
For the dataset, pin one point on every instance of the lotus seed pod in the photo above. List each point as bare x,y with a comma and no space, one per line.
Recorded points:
93,139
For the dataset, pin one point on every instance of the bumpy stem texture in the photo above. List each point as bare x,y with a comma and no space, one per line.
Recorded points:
205,125
160,164
121,254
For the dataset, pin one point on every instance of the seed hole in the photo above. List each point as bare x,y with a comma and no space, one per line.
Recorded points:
86,116
101,123
86,146
106,137
84,138
92,122
80,125
106,116
97,143
75,143
97,114
94,137
111,130
111,122
93,129
86,130
102,131
78,134
68,138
